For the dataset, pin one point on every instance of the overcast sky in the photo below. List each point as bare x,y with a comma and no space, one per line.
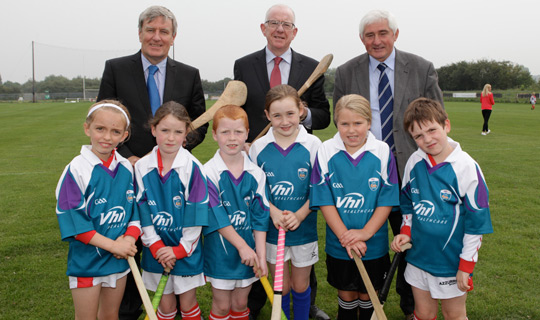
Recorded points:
76,37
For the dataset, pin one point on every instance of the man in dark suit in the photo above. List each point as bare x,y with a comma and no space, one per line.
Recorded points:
410,77
125,79
255,70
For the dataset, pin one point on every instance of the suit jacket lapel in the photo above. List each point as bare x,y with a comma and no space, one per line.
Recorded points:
361,73
259,65
401,77
296,70
170,78
140,82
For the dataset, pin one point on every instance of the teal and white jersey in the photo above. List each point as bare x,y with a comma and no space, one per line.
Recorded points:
90,197
173,209
446,201
288,175
240,202
356,185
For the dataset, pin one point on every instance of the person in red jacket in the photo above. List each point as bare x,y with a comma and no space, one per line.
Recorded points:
487,105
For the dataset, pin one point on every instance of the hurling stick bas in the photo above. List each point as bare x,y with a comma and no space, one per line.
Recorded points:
278,276
268,289
383,294
319,71
369,286
159,291
142,289
235,93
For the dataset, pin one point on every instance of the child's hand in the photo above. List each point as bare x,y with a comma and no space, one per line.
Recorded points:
123,248
248,256
398,241
290,220
263,268
277,218
463,281
352,236
166,256
359,248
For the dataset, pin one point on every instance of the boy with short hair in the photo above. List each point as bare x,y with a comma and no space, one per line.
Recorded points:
444,201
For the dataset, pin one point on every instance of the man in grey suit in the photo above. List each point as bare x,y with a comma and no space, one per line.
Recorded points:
410,77
255,71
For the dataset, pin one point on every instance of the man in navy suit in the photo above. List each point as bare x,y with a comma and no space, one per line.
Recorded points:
125,79
255,71
410,77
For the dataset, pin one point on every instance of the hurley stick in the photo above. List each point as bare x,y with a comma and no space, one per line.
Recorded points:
235,93
319,71
142,290
369,286
278,276
159,291
268,289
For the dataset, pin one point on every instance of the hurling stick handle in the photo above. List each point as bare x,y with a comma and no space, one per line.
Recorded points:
268,289
369,286
278,276
159,291
383,294
142,290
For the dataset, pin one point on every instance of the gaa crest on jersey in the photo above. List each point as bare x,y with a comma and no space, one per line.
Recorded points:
177,201
247,200
130,195
446,195
302,173
373,183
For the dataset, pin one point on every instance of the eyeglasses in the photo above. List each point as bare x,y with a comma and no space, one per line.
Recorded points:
274,24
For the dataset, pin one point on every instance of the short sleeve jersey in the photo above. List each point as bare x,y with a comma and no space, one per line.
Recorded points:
533,99
170,203
288,175
446,201
90,197
240,202
356,185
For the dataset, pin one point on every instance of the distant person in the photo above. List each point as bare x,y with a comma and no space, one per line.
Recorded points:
355,185
399,78
236,242
444,180
486,98
287,155
127,79
277,64
98,244
533,101
172,197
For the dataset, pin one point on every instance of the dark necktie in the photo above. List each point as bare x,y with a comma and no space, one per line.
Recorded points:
153,92
275,77
386,107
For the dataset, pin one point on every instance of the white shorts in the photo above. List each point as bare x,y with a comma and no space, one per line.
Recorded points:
108,281
176,284
438,287
225,284
301,256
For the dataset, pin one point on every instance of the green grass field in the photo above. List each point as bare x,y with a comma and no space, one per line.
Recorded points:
38,140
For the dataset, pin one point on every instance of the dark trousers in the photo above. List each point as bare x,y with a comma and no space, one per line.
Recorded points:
402,287
486,113
130,307
257,295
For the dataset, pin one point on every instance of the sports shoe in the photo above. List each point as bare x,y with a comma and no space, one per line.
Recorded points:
484,133
488,132
317,314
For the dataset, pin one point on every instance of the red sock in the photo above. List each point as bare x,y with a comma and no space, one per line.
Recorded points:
240,315
193,314
214,317
416,318
168,316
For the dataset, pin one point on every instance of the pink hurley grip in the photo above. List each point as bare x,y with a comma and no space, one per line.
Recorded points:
278,279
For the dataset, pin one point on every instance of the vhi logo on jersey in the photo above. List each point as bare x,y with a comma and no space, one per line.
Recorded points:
238,219
302,173
130,195
282,188
424,208
373,183
350,201
162,219
177,201
114,215
446,195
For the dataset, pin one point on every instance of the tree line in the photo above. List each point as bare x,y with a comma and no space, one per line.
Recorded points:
458,76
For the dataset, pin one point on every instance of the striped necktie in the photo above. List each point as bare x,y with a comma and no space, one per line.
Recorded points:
153,92
386,107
